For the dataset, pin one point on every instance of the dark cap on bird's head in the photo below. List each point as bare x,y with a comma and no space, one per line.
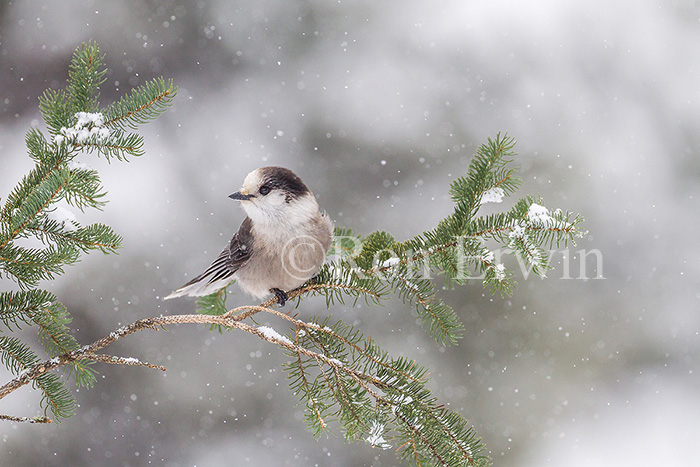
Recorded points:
262,181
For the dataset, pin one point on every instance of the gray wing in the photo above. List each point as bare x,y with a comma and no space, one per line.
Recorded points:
220,273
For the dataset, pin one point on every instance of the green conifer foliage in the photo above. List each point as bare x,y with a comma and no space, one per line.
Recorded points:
76,123
341,376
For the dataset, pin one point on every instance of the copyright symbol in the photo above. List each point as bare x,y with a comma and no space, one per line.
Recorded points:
302,256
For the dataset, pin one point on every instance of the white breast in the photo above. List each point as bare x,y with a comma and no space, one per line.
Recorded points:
289,246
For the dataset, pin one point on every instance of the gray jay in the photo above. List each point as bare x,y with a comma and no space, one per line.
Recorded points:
280,245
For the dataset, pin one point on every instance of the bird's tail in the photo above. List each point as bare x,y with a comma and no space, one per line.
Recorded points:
199,287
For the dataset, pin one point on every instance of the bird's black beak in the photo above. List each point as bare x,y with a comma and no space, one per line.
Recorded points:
240,196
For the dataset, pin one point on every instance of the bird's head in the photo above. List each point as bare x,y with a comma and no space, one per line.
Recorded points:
273,194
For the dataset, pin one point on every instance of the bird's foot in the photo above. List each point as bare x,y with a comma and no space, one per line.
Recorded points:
281,295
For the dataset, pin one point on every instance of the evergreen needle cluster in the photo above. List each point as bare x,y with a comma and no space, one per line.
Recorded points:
35,209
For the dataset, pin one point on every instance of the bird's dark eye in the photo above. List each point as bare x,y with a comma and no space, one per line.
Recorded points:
264,190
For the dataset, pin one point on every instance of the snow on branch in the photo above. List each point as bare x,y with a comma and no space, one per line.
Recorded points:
397,386
89,127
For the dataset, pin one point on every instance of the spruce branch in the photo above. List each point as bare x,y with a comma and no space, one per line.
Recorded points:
85,75
19,358
341,376
143,104
396,385
32,210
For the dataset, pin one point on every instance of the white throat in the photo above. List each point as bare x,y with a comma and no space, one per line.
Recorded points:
288,216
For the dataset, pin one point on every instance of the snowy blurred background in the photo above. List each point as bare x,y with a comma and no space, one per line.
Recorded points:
377,106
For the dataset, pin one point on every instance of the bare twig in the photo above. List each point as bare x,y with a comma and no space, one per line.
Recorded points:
231,319
122,361
26,419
